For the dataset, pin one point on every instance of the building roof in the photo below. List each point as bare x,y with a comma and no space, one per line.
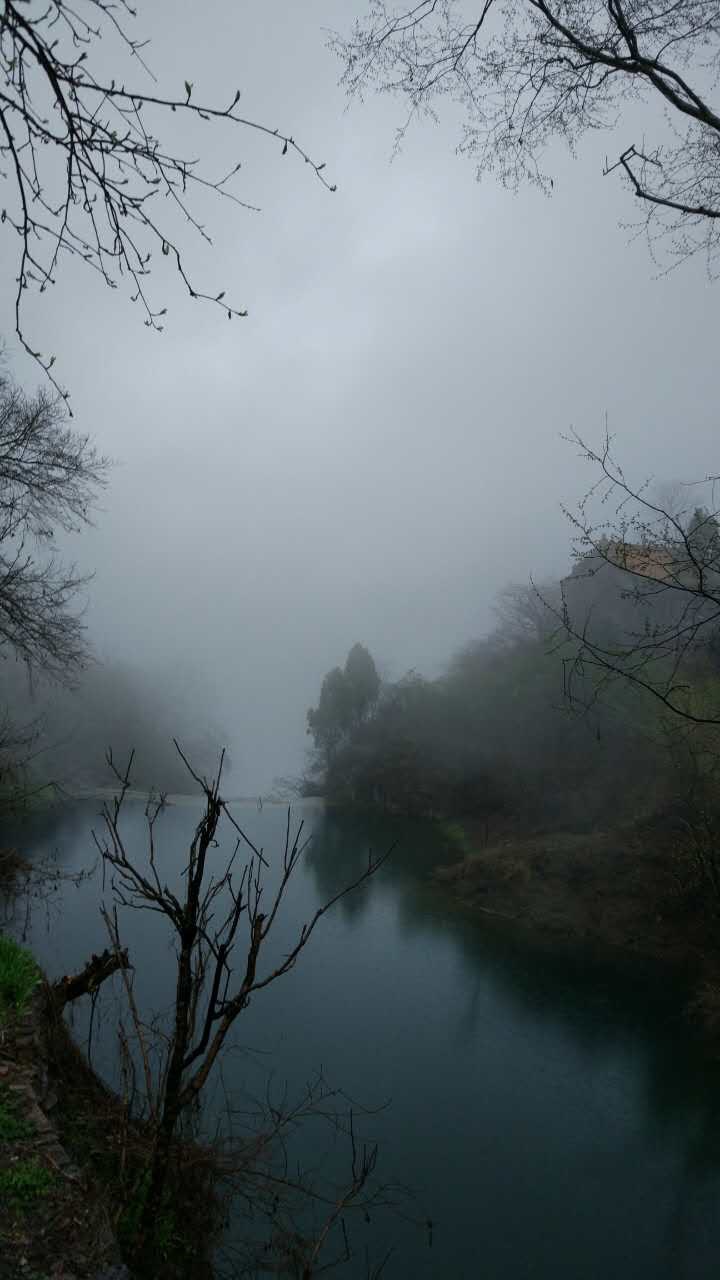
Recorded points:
650,561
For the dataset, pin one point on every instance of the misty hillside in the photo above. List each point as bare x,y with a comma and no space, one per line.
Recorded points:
66,733
560,718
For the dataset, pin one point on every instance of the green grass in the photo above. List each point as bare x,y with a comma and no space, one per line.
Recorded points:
19,975
27,1180
455,834
12,1126
168,1237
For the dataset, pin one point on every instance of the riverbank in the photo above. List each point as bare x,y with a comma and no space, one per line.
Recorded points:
54,1218
72,1160
623,890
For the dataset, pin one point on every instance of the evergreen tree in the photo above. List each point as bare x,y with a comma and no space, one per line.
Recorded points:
362,680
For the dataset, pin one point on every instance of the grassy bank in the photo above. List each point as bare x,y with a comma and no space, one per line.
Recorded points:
623,889
19,976
73,1160
98,1133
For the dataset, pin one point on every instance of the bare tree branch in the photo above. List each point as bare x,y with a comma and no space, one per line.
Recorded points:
85,168
49,476
529,73
642,605
206,922
86,982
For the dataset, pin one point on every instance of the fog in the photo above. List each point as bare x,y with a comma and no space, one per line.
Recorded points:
376,450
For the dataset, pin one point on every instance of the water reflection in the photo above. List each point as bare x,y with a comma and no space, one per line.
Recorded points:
636,1006
558,1117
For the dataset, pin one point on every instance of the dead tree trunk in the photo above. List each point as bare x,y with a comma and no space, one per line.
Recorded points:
97,970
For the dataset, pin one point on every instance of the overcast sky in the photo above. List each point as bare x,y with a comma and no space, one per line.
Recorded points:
376,449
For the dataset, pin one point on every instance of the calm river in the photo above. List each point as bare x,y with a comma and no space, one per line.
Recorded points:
553,1119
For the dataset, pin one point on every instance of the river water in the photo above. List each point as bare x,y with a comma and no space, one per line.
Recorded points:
554,1118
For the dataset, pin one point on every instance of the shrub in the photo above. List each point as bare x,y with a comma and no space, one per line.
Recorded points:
19,975
26,1180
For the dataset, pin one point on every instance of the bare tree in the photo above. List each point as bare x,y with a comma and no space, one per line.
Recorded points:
82,160
653,573
49,477
206,921
295,1220
17,743
527,73
526,611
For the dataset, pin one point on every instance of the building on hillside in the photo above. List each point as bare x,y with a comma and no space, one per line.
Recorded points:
650,561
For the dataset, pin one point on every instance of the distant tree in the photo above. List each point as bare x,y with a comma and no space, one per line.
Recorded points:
330,720
529,72
523,612
49,478
82,161
703,535
493,735
135,710
346,696
18,743
362,680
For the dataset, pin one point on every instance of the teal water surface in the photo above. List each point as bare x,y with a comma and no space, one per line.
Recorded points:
554,1118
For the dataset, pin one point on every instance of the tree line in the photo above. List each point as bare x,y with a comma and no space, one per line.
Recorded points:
595,698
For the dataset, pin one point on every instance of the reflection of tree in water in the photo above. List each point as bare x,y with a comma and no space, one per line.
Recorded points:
334,859
609,1008
341,843
603,1007
606,1008
60,829
46,867
683,1106
681,1090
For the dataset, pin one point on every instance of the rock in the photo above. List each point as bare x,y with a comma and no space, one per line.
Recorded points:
44,1141
38,1118
61,1157
23,1090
